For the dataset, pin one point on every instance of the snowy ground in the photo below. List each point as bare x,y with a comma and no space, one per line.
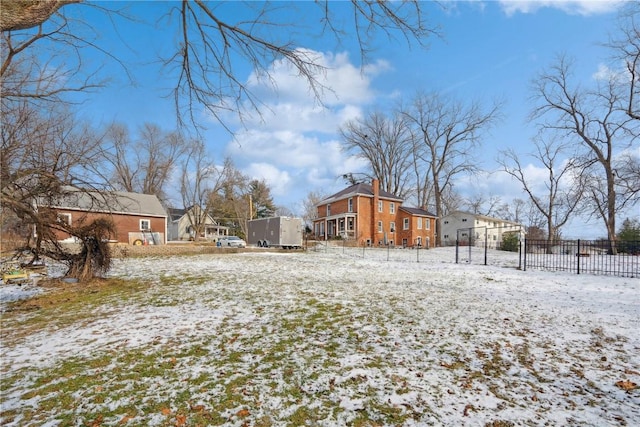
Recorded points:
336,337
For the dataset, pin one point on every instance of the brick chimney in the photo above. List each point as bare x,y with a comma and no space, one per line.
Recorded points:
375,186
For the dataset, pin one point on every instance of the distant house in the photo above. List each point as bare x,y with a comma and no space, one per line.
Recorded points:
138,218
181,228
364,213
469,228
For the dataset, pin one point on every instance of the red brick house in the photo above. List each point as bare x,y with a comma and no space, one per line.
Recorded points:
138,218
364,213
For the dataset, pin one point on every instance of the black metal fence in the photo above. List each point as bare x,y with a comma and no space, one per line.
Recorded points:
474,244
605,257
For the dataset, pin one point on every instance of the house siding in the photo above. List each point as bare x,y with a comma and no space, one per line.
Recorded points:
495,228
123,224
367,216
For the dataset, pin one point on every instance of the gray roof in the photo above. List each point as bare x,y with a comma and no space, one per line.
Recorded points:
117,202
480,216
417,211
175,213
361,189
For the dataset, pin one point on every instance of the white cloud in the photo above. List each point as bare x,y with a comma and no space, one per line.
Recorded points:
603,73
338,80
489,183
500,183
284,148
572,7
608,74
294,145
292,163
278,180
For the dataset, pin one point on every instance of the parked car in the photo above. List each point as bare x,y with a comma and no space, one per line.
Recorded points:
233,241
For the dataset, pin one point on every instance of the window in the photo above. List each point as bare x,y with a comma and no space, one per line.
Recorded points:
427,224
419,241
446,236
464,219
419,223
379,205
392,208
350,208
379,226
145,224
446,222
328,209
405,223
64,218
350,224
392,226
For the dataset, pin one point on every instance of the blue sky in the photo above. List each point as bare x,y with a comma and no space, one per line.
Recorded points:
489,50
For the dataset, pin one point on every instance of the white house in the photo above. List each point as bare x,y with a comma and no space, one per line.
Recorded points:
469,228
181,228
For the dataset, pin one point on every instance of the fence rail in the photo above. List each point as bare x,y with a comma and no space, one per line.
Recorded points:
606,257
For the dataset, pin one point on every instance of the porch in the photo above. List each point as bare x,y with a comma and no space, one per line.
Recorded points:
342,226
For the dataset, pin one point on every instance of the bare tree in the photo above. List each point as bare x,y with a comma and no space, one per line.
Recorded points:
212,42
386,144
45,157
283,211
598,123
45,63
143,165
564,188
626,49
309,206
488,205
47,154
230,204
447,133
628,173
199,178
517,209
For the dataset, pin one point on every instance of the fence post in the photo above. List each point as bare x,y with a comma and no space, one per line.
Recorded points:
524,267
457,248
578,256
486,244
470,230
519,254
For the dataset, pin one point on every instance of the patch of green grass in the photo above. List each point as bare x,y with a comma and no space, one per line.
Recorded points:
64,305
304,416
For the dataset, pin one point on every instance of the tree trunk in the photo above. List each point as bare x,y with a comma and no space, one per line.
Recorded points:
23,14
438,199
611,213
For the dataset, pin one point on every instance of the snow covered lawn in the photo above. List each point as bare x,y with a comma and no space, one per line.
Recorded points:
328,338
